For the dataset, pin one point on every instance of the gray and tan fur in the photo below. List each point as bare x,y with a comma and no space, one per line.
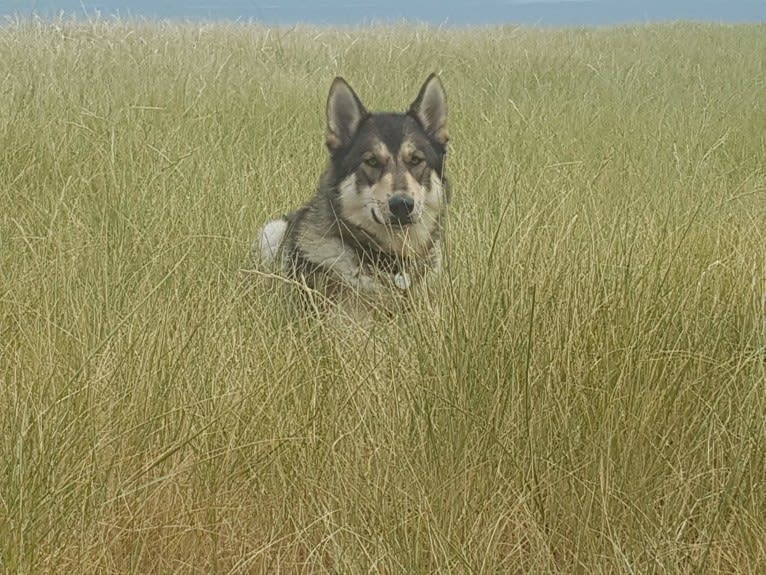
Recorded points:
374,224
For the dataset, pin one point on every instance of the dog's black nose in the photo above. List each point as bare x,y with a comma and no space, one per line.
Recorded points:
401,206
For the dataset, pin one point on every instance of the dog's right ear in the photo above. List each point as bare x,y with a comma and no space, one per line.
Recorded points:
345,112
430,108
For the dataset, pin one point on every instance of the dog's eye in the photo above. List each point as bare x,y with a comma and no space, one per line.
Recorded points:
372,162
415,160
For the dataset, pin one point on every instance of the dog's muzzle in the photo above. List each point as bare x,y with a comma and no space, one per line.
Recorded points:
401,207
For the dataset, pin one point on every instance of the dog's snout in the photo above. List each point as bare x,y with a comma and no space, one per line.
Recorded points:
401,206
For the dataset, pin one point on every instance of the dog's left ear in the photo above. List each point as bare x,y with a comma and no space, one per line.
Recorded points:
430,109
345,112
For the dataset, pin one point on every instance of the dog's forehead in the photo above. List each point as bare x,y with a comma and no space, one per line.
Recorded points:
383,152
379,148
392,131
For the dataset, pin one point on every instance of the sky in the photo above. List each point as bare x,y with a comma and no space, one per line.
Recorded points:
440,12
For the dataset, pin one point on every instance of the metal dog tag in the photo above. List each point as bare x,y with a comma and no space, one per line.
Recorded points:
402,280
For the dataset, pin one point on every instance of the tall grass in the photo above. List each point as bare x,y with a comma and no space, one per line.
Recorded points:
582,392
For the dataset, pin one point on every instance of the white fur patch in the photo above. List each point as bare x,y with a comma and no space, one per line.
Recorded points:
271,238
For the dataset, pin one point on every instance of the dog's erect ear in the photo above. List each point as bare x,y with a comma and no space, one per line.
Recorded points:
345,112
430,108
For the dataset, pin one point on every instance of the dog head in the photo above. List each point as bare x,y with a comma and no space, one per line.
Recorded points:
388,167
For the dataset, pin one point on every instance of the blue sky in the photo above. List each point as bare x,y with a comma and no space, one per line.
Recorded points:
450,12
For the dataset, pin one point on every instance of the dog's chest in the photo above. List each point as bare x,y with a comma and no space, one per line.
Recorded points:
400,274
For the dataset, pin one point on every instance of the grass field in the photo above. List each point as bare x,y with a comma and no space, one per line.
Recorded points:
584,391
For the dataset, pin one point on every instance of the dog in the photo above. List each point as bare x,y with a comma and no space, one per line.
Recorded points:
375,223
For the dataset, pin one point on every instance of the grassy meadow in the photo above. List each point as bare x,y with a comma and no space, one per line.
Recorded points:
583,391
